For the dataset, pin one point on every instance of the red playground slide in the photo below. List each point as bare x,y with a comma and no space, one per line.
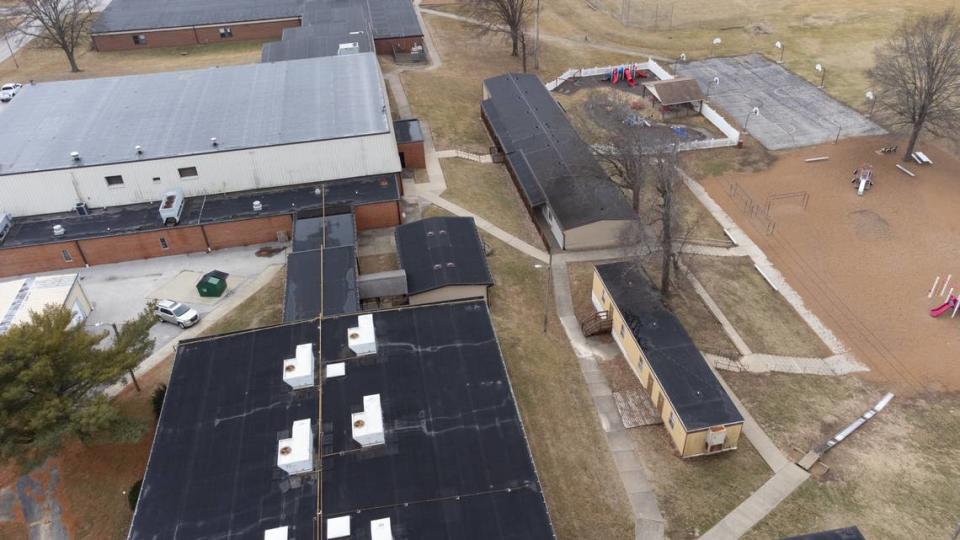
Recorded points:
629,76
945,307
615,77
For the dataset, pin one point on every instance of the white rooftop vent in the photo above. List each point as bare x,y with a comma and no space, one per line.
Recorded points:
139,149
338,527
338,369
348,48
257,206
295,455
75,156
213,141
362,339
58,230
368,424
278,533
298,371
380,529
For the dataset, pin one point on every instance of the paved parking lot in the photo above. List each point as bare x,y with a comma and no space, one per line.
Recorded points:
120,291
793,112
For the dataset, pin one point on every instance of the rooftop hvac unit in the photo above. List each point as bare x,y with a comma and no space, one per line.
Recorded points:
81,209
75,156
171,206
58,230
277,533
298,371
337,369
348,48
368,423
362,339
380,529
295,455
257,206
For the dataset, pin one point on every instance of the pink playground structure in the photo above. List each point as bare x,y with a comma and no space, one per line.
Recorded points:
630,73
952,304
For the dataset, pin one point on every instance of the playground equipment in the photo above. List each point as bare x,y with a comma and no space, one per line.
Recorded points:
630,73
863,178
888,150
952,301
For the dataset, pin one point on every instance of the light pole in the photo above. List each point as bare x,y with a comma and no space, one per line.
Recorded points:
716,45
681,58
116,334
546,288
822,71
716,82
779,45
536,46
872,98
746,121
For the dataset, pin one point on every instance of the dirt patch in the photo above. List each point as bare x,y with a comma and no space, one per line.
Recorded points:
371,264
262,308
869,226
843,248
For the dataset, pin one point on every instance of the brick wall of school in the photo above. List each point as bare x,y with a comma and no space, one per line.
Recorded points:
144,245
377,215
16,261
248,231
385,46
412,153
192,36
44,258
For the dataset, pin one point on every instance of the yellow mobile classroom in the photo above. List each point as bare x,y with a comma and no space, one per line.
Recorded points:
696,411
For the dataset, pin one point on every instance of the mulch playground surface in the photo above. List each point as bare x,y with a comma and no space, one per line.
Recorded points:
864,265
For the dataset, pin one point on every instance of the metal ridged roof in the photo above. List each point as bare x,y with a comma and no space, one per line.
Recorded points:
177,113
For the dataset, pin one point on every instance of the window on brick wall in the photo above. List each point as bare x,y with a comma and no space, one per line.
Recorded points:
114,181
187,172
226,32
139,39
163,243
66,255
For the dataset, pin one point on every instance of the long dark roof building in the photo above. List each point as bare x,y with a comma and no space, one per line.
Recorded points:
548,159
699,399
441,251
419,434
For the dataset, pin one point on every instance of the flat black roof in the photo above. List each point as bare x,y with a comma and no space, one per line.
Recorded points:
212,470
699,399
846,533
32,230
442,251
552,164
455,463
408,130
387,18
324,242
452,428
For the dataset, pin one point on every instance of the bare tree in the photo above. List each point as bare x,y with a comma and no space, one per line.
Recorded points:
59,23
504,17
665,175
917,75
623,150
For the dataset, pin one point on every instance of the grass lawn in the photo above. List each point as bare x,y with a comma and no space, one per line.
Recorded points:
486,189
584,494
896,477
764,319
46,64
449,97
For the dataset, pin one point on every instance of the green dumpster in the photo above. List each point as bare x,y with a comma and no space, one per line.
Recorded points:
212,283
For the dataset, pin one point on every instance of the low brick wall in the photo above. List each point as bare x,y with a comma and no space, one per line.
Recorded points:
412,155
144,245
385,46
44,258
377,216
248,232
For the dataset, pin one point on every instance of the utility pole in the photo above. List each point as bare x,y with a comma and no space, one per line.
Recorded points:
536,46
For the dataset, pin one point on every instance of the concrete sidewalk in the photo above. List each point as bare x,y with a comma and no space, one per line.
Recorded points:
757,506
